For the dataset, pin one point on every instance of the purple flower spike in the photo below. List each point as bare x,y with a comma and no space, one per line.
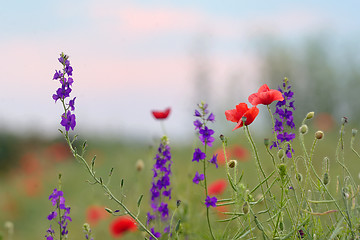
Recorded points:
210,201
160,185
284,118
63,92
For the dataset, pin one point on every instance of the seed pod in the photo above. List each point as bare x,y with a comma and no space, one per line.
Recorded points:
245,207
319,135
326,178
266,142
299,177
310,115
281,153
232,163
304,129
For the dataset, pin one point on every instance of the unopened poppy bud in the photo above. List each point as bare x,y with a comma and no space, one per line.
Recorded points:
266,142
232,163
243,119
303,129
354,132
345,193
222,137
326,178
344,120
178,202
299,177
282,170
281,153
319,135
140,165
245,207
310,115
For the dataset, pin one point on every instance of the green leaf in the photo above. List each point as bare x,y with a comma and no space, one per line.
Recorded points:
139,201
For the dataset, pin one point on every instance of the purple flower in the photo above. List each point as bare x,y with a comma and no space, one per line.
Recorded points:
52,215
160,183
198,177
68,121
198,155
211,117
213,160
284,118
62,93
210,201
57,199
197,124
163,209
205,136
197,113
156,234
71,104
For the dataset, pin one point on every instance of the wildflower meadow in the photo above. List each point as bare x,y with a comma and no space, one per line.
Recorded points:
288,180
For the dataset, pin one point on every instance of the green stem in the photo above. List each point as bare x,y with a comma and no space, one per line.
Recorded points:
259,168
105,188
206,194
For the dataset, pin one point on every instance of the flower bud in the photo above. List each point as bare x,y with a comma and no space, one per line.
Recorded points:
299,177
344,120
354,132
282,170
178,202
310,115
319,135
266,142
232,163
222,137
245,207
326,178
140,165
281,153
303,129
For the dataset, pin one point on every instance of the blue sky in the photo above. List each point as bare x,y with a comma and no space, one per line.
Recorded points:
130,57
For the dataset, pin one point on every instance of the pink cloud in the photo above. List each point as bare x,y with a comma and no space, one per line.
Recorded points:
136,19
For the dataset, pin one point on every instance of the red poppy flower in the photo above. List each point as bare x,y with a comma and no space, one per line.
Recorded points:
220,210
161,114
242,110
217,188
265,96
95,213
122,225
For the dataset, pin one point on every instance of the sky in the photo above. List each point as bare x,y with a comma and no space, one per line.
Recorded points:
131,57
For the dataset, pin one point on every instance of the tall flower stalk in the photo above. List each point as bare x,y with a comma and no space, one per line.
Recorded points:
60,214
205,136
64,76
284,119
160,186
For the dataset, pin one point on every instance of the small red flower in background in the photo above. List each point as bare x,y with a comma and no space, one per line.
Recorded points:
236,152
161,114
217,187
240,111
95,213
30,164
122,225
33,186
265,96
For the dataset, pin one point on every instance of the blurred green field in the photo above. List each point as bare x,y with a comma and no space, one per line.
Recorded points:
31,173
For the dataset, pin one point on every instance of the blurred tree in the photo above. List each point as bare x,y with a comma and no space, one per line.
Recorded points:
322,81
